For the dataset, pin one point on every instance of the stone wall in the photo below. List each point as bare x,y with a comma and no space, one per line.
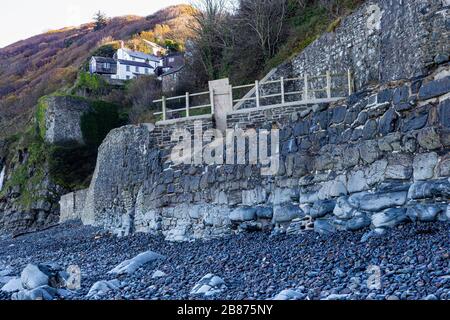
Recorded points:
382,41
72,205
379,158
63,119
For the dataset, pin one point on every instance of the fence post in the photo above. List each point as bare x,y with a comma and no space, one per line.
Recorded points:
282,90
257,93
328,84
164,108
305,89
350,82
187,104
211,99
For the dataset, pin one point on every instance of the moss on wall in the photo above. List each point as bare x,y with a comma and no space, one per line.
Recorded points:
97,124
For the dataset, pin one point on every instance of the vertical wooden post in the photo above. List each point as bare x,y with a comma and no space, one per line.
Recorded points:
164,108
282,90
305,89
231,96
328,84
211,99
257,94
350,82
187,104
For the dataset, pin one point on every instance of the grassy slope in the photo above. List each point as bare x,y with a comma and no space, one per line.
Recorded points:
45,63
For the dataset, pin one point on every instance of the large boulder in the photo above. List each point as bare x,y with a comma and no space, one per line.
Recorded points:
243,214
424,213
322,208
324,226
131,265
430,189
32,277
286,213
377,201
389,218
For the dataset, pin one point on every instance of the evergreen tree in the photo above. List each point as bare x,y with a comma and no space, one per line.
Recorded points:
100,20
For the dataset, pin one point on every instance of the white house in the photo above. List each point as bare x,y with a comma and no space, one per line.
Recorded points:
128,64
131,64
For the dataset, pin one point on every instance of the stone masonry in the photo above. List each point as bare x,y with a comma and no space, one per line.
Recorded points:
376,159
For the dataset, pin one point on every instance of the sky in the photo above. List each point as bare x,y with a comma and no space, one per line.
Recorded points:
21,19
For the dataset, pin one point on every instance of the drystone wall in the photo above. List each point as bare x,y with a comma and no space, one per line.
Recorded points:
382,41
377,159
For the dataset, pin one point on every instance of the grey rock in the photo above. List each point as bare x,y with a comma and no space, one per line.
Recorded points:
343,209
359,221
424,213
286,213
321,208
444,113
372,234
377,201
63,119
429,189
243,214
323,226
335,296
251,226
39,293
264,212
158,274
389,218
357,182
289,294
424,165
32,277
434,88
131,265
13,285
100,288
428,138
209,285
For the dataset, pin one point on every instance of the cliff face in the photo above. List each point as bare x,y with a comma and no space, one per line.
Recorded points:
56,154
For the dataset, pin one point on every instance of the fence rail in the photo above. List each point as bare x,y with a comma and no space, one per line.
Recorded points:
257,95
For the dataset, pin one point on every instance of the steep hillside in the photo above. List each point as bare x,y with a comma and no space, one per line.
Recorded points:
45,63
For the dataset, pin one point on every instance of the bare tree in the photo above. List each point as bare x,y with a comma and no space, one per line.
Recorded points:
266,19
141,94
213,36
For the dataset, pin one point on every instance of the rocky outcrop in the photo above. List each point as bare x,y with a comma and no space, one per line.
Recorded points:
63,118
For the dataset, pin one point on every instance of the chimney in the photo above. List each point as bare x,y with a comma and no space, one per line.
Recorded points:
122,44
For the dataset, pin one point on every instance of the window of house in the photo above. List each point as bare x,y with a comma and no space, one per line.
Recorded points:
137,69
128,77
107,65
146,70
128,68
171,60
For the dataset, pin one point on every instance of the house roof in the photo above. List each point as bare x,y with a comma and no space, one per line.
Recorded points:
141,55
104,60
172,71
135,63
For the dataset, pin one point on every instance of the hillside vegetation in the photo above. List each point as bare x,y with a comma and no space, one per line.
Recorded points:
49,62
